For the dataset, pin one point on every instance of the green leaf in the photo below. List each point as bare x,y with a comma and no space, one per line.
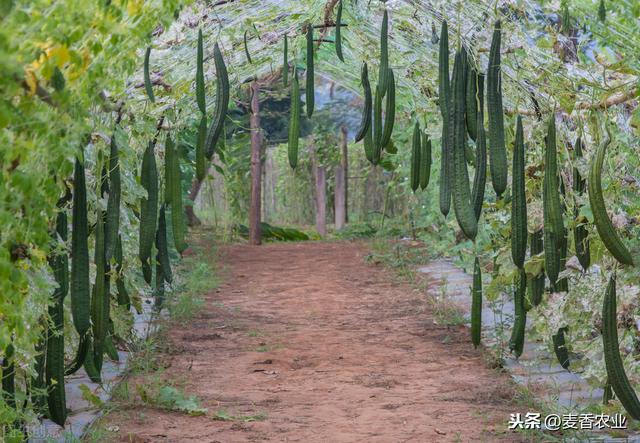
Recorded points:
391,148
388,165
222,415
57,79
585,211
5,7
190,406
90,396
171,398
168,395
534,266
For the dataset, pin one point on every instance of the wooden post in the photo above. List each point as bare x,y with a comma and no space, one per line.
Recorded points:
269,186
196,185
192,219
321,201
265,186
321,191
255,235
339,198
345,168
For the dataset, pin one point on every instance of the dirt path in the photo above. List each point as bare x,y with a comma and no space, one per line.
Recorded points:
306,342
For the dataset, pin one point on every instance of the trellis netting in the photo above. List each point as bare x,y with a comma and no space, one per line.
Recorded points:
575,70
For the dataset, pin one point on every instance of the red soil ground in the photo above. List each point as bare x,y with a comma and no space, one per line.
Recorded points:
306,342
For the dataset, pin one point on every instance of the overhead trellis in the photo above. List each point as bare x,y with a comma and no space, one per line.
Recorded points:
544,67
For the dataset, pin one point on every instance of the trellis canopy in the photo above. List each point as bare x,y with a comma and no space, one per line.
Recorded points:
544,66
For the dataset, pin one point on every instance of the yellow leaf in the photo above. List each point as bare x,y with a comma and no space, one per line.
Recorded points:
38,254
59,54
134,7
35,65
44,45
31,80
79,70
86,58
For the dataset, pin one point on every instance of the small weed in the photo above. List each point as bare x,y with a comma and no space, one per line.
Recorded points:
199,279
524,398
355,231
224,415
196,279
91,396
145,357
447,314
121,393
172,399
184,306
256,417
94,436
264,347
492,360
186,300
157,393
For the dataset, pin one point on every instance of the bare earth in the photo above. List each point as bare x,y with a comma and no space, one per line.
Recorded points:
306,342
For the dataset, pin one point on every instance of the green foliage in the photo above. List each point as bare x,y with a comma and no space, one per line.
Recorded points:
61,73
224,415
90,396
355,231
276,233
172,399
195,279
